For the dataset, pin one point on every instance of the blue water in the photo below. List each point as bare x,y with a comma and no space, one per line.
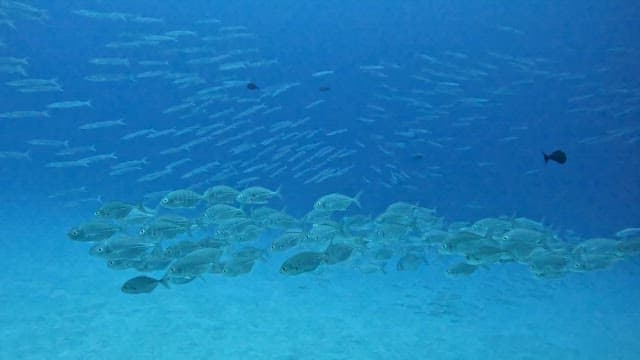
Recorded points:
445,104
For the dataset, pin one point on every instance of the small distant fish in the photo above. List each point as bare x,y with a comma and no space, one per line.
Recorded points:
110,61
47,142
23,114
252,86
314,104
462,269
322,73
16,155
102,124
558,156
143,284
324,88
76,150
410,262
70,104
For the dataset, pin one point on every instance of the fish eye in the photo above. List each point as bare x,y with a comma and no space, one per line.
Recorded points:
173,269
142,231
75,232
97,213
164,201
100,249
284,268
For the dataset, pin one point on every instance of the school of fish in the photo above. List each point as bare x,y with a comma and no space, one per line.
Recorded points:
225,231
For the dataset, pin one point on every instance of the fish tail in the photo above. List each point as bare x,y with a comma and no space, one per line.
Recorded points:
356,199
279,191
165,282
383,267
546,157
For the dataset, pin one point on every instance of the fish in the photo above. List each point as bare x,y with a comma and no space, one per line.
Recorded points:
167,227
558,156
76,150
24,114
322,73
462,269
123,247
181,199
143,285
486,254
138,134
220,212
16,155
102,124
287,240
336,253
181,249
302,262
628,247
49,142
108,77
194,263
410,262
70,104
33,82
237,267
114,210
94,230
324,232
110,61
337,202
123,264
252,86
257,195
543,262
628,233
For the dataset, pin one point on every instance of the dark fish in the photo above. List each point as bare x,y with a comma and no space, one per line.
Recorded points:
142,284
324,88
417,156
336,253
302,262
252,86
558,156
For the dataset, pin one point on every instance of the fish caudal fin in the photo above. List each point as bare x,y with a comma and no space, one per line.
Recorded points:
165,282
546,157
356,199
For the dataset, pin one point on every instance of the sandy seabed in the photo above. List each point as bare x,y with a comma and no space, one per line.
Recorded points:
58,302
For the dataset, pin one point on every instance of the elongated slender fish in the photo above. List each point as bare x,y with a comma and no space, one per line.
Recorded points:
70,104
